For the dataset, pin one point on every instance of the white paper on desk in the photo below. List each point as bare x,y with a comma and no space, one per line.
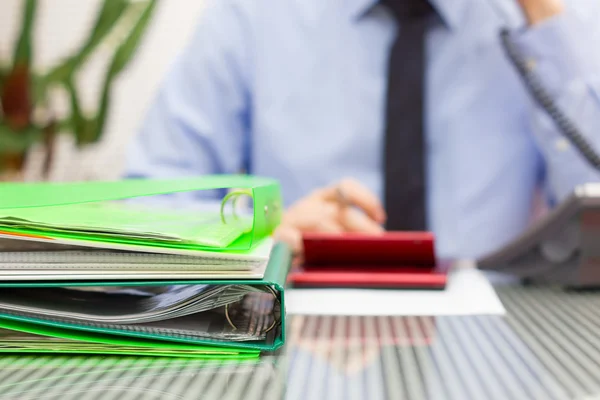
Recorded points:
468,293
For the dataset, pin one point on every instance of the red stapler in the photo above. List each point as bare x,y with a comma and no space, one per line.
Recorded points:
391,260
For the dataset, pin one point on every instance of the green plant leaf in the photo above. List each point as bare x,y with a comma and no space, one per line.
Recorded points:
3,73
121,59
19,142
77,118
23,48
39,92
128,47
108,16
65,125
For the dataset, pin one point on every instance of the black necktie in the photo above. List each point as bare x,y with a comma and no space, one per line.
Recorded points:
404,136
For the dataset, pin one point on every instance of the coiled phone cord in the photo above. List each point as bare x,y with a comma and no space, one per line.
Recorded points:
568,128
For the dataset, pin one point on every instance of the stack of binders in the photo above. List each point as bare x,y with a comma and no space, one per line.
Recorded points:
86,269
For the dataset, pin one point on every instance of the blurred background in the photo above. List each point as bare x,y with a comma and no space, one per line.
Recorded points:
91,68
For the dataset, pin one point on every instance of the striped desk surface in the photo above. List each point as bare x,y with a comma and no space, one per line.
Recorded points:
547,347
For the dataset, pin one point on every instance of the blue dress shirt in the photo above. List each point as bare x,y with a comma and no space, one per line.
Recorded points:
295,90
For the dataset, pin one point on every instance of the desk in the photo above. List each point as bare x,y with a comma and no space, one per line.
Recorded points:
547,347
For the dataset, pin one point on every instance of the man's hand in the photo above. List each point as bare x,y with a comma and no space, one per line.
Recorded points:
537,11
345,207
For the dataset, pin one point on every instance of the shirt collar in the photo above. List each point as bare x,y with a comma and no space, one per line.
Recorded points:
451,11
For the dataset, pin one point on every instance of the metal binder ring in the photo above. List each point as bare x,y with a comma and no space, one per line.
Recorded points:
234,195
228,318
270,289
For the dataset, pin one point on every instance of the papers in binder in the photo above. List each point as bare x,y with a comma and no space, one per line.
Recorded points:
81,270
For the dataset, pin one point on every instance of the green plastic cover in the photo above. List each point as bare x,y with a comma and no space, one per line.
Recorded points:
81,211
275,277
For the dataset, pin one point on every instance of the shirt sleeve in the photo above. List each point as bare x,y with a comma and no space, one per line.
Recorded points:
198,123
564,54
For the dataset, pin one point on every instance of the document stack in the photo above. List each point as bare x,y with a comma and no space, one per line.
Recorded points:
88,268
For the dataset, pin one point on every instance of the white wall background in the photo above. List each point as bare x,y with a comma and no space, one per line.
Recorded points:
61,26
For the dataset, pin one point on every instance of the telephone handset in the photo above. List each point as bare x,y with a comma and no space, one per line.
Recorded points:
564,246
565,125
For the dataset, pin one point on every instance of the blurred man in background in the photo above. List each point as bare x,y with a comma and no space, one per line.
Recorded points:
415,100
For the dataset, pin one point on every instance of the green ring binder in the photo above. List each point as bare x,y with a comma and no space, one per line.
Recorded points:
44,199
266,322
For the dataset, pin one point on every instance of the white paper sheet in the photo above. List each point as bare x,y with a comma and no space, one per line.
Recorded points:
468,293
260,253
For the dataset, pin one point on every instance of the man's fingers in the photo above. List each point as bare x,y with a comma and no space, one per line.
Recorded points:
357,195
538,11
353,220
329,226
291,236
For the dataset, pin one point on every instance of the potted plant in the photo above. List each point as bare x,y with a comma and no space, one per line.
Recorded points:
27,116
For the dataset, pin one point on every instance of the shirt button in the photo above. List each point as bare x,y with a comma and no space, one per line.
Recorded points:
562,144
531,64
